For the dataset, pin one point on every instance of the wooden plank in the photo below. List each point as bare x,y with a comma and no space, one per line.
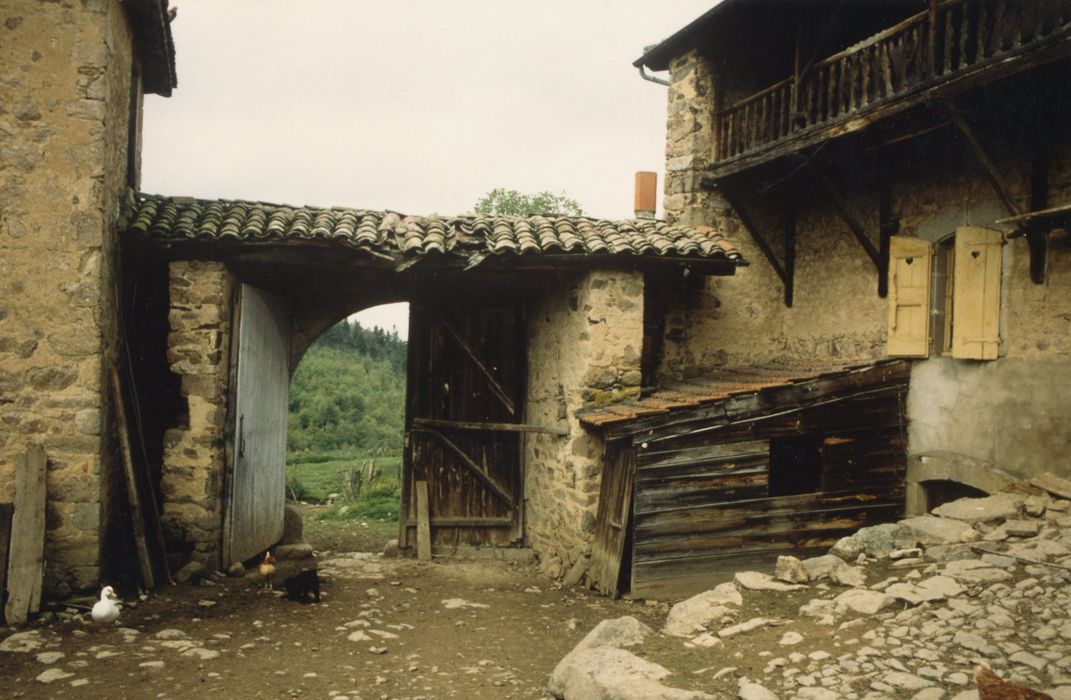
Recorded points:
784,398
25,566
612,520
1061,212
747,485
423,522
491,427
909,297
714,516
787,528
6,512
469,464
463,522
137,518
654,459
976,292
256,487
497,390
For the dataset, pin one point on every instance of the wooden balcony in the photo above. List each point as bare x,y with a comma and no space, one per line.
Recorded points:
954,46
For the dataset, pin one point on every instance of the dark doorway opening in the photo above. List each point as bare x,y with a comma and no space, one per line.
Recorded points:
939,492
795,465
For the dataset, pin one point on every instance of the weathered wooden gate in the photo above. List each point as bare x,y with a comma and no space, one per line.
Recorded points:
465,397
255,492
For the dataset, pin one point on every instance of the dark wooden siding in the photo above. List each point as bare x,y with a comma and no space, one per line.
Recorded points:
702,504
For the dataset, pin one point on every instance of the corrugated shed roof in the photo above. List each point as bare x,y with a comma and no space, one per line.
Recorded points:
714,387
397,235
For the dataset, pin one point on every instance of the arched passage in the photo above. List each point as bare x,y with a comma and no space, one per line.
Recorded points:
572,287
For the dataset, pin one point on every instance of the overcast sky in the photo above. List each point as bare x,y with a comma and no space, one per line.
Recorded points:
417,106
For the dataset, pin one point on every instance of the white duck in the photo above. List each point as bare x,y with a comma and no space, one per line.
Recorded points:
105,610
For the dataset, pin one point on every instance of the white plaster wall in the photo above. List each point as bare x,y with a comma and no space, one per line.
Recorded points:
1013,414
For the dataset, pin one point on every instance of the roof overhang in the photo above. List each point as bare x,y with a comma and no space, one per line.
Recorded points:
150,21
392,241
733,395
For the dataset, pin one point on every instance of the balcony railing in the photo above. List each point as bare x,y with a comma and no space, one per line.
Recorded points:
946,42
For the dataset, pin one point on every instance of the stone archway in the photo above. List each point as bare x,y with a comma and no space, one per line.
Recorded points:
926,470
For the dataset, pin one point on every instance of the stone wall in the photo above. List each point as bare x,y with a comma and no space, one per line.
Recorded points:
65,73
584,347
837,316
198,350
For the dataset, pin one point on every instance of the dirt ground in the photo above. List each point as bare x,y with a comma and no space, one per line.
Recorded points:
386,628
500,632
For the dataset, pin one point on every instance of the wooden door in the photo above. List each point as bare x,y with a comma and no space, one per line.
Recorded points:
610,550
256,487
465,397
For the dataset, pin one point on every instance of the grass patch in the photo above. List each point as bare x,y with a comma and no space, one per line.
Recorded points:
378,502
316,480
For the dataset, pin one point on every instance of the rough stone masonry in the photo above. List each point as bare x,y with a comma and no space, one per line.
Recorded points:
65,91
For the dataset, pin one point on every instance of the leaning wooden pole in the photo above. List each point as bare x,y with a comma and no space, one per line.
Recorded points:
144,561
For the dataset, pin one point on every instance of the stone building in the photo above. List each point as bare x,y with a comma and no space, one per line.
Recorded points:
900,178
897,175
73,78
202,309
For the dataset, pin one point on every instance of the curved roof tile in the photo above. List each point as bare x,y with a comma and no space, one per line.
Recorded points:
392,234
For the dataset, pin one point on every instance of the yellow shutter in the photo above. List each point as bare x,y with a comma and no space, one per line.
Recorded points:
909,297
976,294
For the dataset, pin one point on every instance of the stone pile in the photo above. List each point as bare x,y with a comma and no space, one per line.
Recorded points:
903,610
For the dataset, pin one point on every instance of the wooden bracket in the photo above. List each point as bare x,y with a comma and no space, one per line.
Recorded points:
790,253
991,172
1036,224
888,226
785,272
853,224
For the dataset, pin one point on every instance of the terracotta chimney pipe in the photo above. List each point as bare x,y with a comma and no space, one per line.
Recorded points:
646,191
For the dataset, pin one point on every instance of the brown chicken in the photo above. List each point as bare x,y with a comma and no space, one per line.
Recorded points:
267,570
991,687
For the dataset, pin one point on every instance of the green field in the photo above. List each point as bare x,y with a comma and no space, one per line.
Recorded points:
315,481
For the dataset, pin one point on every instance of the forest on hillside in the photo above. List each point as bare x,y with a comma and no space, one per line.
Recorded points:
348,393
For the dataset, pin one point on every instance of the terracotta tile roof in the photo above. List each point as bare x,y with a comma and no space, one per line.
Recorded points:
474,237
718,386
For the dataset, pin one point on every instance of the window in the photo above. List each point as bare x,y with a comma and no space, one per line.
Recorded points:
795,465
955,298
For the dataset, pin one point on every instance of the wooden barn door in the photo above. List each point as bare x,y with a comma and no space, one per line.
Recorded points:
256,484
465,393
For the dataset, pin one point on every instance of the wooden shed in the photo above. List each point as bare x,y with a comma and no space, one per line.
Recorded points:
730,470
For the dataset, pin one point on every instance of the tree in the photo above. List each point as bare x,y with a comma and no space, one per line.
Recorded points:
503,202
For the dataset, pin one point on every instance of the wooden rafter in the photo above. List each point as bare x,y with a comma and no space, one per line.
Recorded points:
490,427
469,464
491,382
